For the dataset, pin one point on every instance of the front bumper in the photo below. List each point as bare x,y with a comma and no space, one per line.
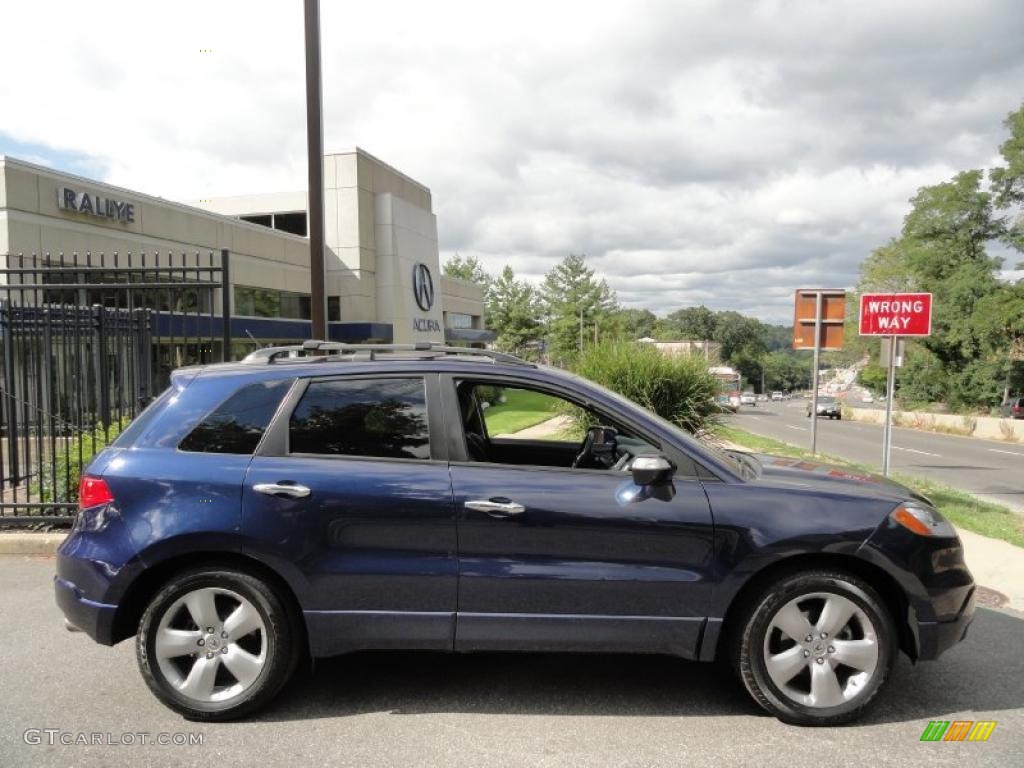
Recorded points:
938,588
933,638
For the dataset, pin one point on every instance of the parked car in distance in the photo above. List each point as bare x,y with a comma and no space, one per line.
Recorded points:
1013,408
827,406
867,397
748,398
292,506
762,398
777,396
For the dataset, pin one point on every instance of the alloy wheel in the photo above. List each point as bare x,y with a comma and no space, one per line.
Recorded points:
211,644
821,650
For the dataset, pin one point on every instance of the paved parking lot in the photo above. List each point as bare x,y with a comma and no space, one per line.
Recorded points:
413,709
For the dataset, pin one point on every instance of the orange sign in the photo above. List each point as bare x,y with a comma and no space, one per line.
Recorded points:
833,313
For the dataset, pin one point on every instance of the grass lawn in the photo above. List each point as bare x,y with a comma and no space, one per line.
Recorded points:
960,508
520,410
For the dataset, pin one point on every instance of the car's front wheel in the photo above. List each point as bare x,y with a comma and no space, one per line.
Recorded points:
816,647
216,644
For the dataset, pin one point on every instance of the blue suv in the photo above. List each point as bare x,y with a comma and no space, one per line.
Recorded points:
321,499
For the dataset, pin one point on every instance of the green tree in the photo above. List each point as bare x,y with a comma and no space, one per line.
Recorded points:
1008,181
738,335
573,297
695,323
943,248
637,323
785,371
467,268
998,322
513,312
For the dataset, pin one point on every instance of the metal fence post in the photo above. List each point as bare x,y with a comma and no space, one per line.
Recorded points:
100,363
10,401
225,303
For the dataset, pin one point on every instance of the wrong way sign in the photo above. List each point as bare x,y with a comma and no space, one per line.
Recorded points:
895,314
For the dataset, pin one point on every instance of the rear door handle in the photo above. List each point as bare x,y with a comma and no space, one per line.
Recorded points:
496,507
282,490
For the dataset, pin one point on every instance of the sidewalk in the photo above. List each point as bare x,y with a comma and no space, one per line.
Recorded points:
995,564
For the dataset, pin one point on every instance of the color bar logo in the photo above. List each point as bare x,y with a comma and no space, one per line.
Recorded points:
958,730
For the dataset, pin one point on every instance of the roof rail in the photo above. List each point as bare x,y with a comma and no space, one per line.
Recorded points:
427,349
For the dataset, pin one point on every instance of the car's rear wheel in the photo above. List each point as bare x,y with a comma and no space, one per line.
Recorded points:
216,644
816,647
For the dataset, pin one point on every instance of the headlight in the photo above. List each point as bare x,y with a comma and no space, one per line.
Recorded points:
922,520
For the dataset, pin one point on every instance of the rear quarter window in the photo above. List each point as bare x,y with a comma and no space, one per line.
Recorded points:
238,424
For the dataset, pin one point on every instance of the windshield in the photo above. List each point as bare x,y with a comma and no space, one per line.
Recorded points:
680,434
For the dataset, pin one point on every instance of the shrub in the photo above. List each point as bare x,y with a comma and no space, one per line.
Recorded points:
677,388
489,394
67,465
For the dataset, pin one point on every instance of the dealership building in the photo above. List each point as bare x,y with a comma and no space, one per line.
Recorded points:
383,277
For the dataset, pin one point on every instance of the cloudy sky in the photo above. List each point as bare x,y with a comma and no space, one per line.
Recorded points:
722,153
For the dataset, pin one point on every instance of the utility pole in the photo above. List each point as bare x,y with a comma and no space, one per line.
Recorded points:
814,373
315,163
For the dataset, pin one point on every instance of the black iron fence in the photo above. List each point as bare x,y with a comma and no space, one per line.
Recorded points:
87,340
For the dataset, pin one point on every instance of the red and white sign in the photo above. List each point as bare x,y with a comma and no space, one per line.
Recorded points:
895,314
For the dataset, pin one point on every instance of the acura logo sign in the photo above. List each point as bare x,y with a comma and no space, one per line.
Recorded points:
423,287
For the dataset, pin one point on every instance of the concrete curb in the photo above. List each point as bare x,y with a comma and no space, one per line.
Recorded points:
23,543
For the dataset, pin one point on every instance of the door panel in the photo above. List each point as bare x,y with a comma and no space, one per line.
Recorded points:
590,549
374,543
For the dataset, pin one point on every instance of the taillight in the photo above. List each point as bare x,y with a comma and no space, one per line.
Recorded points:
92,492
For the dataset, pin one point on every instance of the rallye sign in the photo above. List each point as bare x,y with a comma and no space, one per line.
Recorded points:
895,314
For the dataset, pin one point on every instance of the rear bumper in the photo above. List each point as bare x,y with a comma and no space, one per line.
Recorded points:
95,619
933,638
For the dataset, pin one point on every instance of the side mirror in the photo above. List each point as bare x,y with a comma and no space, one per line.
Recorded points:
650,470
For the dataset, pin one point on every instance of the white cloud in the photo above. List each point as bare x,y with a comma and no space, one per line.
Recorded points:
716,152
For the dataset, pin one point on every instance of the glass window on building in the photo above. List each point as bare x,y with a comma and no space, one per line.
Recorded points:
295,223
263,219
459,320
267,302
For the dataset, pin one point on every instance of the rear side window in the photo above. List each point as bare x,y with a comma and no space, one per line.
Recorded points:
384,418
144,419
237,424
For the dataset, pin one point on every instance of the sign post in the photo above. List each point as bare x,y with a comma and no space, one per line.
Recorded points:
826,325
893,315
890,386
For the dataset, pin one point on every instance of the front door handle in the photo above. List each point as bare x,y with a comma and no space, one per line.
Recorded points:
282,490
496,507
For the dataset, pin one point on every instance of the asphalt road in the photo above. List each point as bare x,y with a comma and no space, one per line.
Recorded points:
419,709
987,468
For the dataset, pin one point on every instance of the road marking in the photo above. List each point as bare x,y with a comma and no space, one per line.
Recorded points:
914,450
1008,453
754,418
800,429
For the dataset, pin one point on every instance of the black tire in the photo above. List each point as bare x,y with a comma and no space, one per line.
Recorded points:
281,638
748,643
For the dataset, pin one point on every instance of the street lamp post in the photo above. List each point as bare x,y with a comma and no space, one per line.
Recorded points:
315,162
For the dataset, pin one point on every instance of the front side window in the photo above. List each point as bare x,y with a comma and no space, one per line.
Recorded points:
385,418
523,426
237,424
